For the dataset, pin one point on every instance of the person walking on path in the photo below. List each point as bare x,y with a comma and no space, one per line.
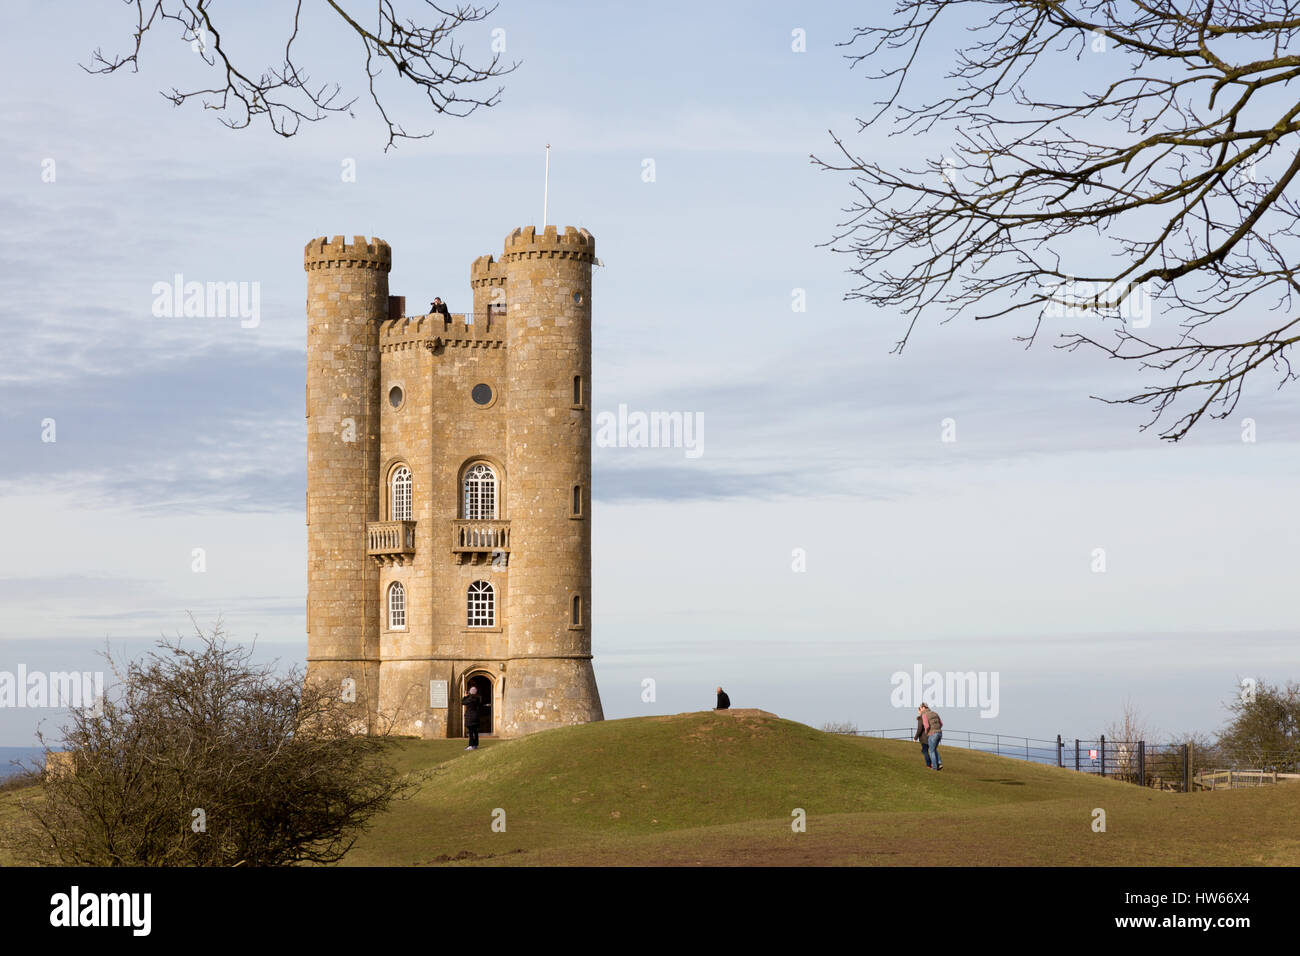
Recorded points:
724,702
933,734
920,735
472,702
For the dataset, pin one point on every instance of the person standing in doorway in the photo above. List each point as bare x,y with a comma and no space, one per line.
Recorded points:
724,702
472,703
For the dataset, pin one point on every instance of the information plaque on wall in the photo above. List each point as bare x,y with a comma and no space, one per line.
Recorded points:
437,693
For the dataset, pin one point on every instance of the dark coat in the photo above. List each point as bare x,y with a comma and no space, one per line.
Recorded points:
920,729
438,308
724,701
472,704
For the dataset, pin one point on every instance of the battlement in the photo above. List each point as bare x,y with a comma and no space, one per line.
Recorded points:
525,243
361,253
486,271
489,331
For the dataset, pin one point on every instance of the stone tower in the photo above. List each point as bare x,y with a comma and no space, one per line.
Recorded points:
449,489
347,288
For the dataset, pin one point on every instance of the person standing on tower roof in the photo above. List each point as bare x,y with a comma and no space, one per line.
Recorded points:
438,307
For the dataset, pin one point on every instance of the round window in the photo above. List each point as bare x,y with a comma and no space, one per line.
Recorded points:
395,396
577,298
482,394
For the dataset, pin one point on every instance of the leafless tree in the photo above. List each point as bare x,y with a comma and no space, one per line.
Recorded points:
419,52
1122,737
840,727
200,758
1131,726
1171,182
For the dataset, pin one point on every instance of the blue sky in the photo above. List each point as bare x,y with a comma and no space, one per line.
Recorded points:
180,433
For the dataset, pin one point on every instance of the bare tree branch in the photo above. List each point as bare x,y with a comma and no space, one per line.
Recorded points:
1171,184
424,55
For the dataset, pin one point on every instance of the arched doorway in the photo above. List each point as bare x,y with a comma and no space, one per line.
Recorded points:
484,685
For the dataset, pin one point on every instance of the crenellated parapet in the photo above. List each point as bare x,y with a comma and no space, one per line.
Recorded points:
527,243
432,331
360,253
487,278
486,272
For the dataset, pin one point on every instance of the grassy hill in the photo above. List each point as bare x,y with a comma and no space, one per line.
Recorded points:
719,788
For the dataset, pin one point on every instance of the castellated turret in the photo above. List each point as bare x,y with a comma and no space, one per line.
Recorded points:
449,489
347,291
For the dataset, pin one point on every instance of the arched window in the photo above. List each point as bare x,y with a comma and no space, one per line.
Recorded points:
480,493
481,608
396,605
575,617
400,502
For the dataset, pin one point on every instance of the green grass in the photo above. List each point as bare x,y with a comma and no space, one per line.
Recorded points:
720,788
710,788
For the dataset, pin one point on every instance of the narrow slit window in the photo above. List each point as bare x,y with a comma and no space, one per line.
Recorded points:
577,501
576,613
400,505
396,605
577,389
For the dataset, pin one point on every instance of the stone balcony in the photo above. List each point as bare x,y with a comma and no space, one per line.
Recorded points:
481,541
390,542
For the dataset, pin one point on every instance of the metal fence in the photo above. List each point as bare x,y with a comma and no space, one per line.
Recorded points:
1022,748
1162,766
